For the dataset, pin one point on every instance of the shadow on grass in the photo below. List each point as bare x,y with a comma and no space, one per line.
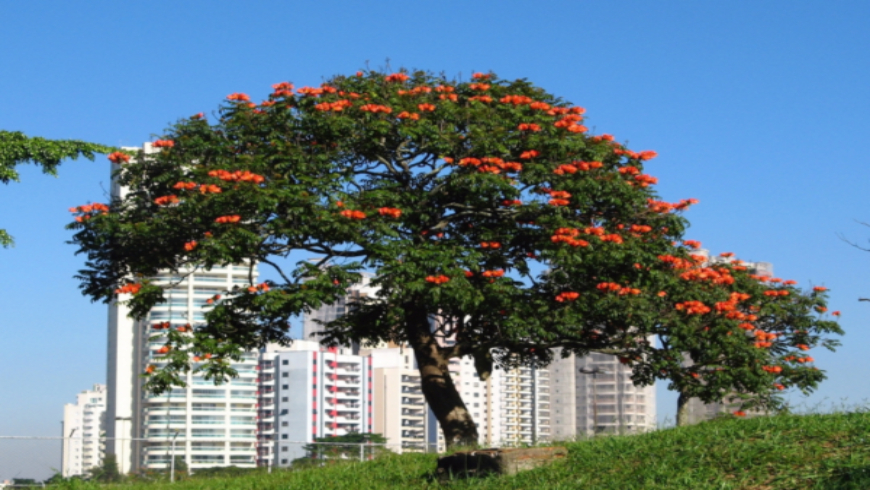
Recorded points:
848,478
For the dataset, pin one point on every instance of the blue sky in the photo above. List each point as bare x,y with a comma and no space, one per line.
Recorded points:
758,109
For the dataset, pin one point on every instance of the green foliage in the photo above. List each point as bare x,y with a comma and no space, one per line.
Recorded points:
485,203
16,149
108,471
331,449
812,452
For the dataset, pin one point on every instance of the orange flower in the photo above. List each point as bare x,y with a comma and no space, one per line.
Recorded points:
437,279
739,413
149,369
567,296
238,97
117,157
819,289
529,127
163,144
234,218
836,313
353,214
396,77
190,245
528,155
426,107
395,213
495,273
409,115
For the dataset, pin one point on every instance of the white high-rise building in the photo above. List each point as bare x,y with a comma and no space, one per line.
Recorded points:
83,424
211,425
319,392
207,425
595,394
401,413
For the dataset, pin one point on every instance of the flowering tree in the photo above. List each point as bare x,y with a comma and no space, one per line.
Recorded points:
485,204
16,149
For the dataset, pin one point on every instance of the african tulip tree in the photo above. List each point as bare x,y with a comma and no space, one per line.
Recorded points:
485,203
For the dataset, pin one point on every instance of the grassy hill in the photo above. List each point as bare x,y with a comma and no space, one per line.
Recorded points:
772,453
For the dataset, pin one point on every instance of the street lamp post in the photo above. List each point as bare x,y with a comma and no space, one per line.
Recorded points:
122,441
68,443
594,372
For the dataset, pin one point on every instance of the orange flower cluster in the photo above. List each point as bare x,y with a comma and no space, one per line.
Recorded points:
676,262
336,106
492,245
569,122
233,218
437,279
185,185
259,287
238,97
184,328
540,106
779,386
739,413
693,307
620,290
645,180
310,91
209,188
149,369
776,293
567,235
163,350
163,144
495,273
528,127
508,202
481,76
567,296
353,214
516,99
283,89
803,346
692,244
719,275
89,208
479,86
445,89
408,115
375,108
189,246
426,107
396,77
237,176
772,369
117,157
600,138
394,212
666,207
488,164
166,200
416,91
160,326
630,170
528,155
560,198
820,289
643,155
129,289
481,98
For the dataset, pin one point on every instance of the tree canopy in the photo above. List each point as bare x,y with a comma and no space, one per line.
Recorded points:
497,227
16,149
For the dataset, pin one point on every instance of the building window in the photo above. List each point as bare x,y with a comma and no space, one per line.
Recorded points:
285,375
283,436
285,387
284,399
283,449
284,424
285,362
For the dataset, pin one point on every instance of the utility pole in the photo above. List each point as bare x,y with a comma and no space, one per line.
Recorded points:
594,372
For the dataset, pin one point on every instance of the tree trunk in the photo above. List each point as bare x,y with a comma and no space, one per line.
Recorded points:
438,388
683,410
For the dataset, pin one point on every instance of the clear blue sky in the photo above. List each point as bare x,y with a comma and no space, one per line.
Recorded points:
758,109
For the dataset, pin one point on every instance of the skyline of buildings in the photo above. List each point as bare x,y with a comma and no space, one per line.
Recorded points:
83,421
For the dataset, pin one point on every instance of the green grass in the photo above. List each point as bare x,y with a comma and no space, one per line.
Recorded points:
770,453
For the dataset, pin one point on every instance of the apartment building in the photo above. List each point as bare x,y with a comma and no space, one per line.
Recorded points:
318,393
83,425
312,321
594,394
207,424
